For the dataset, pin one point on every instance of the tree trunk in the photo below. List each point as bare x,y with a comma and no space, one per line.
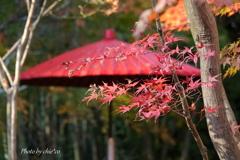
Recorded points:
8,124
204,29
111,144
230,115
11,123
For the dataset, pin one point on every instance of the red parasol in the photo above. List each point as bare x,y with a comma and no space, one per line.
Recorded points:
51,72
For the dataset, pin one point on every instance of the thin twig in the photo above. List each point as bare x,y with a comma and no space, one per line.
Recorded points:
28,4
14,47
11,50
26,48
51,7
31,29
41,14
23,42
3,66
3,81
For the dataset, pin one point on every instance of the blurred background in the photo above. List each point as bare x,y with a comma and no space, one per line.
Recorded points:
54,118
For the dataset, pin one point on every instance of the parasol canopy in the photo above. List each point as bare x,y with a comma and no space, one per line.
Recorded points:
52,73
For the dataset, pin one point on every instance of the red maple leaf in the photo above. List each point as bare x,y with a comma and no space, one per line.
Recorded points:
161,80
172,38
91,97
123,109
121,91
201,45
139,89
213,78
209,54
235,128
187,80
130,83
107,98
211,110
112,88
193,85
194,57
211,83
151,40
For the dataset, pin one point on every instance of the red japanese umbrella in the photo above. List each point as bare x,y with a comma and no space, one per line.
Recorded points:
52,73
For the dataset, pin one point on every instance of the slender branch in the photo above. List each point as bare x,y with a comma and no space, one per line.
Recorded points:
34,24
31,29
11,50
23,42
41,14
188,118
26,48
28,4
4,81
85,15
3,66
51,7
182,95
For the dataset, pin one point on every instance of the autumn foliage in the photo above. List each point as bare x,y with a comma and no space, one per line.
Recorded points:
175,15
157,95
172,14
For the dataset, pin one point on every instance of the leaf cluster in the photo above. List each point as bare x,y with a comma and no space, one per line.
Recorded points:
230,56
157,95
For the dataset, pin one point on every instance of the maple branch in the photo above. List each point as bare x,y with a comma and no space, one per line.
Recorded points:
158,23
184,102
188,118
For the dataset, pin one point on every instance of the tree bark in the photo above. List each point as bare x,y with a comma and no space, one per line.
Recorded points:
204,30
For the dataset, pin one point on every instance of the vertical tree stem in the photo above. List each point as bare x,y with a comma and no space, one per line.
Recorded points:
204,30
